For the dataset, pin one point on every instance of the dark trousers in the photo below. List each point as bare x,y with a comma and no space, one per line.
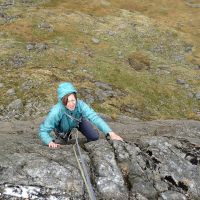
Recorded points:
86,128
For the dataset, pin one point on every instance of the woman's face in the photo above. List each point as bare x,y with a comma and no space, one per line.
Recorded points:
71,103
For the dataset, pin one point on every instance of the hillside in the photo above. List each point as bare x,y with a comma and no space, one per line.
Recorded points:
138,58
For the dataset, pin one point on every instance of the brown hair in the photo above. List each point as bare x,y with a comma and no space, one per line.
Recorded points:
65,98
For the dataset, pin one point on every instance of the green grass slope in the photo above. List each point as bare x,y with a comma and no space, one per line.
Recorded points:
142,49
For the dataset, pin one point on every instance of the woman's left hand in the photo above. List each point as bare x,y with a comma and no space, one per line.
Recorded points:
114,136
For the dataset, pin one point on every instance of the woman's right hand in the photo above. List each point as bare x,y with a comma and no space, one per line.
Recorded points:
53,145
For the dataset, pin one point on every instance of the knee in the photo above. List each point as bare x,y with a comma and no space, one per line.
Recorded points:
96,137
93,138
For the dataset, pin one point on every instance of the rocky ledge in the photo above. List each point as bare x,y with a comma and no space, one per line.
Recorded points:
158,160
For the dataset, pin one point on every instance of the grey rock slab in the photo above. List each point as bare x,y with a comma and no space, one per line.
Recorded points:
25,162
139,177
172,166
158,160
108,177
172,195
36,169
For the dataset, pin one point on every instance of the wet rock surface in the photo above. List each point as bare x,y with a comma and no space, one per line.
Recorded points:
158,160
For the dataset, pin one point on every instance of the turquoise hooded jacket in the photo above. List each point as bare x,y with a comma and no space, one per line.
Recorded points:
63,120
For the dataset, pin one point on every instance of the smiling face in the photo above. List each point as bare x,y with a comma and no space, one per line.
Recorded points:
71,102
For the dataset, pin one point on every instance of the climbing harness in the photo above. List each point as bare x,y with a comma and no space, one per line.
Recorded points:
83,168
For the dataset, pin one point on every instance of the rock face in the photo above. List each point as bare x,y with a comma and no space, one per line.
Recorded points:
158,160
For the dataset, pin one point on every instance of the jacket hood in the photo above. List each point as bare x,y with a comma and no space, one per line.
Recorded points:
64,89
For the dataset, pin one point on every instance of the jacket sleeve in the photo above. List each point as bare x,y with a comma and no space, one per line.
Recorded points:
48,125
92,116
